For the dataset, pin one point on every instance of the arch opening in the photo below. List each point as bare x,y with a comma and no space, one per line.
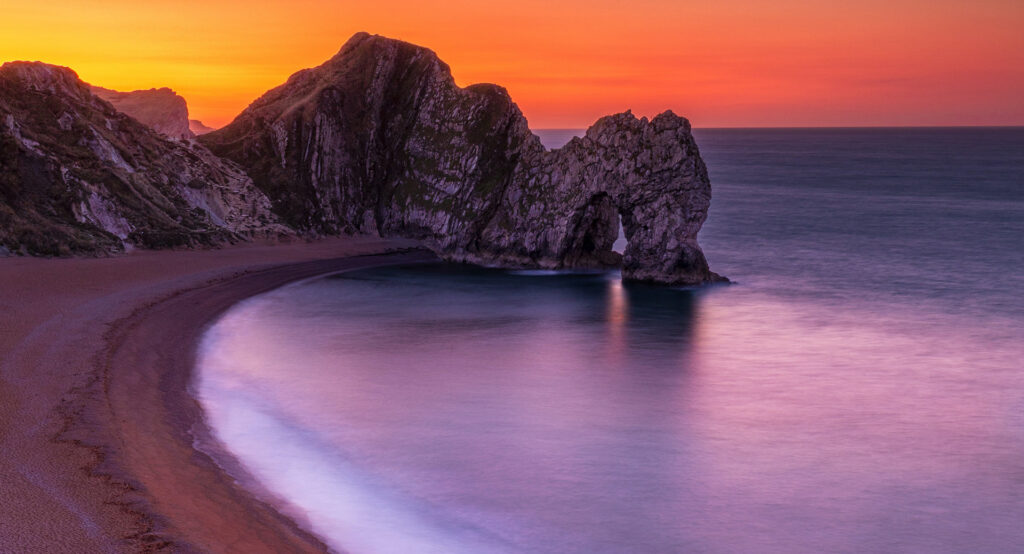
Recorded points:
594,235
619,246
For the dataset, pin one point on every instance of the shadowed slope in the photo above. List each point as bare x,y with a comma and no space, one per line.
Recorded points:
78,176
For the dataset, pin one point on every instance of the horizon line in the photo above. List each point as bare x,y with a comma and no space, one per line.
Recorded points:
740,127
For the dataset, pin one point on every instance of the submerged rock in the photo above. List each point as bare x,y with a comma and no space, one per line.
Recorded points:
381,140
78,176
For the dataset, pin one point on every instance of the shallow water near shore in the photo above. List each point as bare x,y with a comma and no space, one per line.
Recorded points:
860,389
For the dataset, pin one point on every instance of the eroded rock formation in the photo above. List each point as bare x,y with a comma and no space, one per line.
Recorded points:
379,139
78,176
562,208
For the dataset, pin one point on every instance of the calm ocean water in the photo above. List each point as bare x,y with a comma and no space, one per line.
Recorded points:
860,389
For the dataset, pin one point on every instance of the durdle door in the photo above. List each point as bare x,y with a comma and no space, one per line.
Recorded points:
380,140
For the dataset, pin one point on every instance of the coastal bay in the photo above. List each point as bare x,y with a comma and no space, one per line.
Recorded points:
97,423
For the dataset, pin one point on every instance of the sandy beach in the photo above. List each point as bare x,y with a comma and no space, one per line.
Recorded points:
96,423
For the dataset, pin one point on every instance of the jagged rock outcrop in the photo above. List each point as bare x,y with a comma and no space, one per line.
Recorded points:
561,208
78,176
198,128
161,109
379,139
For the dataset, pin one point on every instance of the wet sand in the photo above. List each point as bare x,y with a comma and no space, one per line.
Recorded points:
97,427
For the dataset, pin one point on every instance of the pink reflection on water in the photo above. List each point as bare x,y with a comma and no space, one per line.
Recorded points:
888,430
632,420
616,316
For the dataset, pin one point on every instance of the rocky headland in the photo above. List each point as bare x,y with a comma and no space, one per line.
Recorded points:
378,140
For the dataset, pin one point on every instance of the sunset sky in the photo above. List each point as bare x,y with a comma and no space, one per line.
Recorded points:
723,63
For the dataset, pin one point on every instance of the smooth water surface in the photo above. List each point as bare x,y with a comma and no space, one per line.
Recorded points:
861,389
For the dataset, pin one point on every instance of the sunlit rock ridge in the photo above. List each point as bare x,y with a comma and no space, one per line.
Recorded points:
380,140
79,177
161,109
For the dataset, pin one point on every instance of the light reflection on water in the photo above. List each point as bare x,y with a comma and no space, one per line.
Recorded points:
450,409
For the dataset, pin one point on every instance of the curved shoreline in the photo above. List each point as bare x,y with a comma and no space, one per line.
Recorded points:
164,406
128,418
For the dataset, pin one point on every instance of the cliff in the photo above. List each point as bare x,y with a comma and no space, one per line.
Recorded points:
377,140
380,139
78,176
161,109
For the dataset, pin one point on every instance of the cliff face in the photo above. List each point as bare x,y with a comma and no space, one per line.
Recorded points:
160,109
379,139
78,176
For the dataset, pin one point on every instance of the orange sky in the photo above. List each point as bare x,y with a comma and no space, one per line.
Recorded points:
719,62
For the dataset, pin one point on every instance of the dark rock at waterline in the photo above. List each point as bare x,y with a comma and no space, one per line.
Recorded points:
380,140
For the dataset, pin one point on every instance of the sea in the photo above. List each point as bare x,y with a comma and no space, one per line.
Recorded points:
859,387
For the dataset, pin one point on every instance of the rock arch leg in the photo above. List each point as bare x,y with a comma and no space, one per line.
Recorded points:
662,246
